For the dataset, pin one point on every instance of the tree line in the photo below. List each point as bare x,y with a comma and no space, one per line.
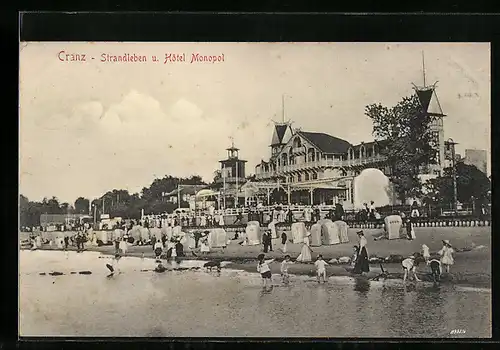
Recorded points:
116,203
410,146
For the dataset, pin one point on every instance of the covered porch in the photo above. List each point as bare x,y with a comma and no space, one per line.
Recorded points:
325,193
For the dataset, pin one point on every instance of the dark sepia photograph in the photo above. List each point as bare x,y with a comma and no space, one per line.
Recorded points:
278,190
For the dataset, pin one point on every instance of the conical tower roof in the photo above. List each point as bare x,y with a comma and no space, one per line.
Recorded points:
429,100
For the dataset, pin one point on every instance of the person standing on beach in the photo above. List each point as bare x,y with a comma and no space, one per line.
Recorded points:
408,229
284,269
284,239
265,241
321,268
305,253
270,240
425,253
446,254
362,264
264,270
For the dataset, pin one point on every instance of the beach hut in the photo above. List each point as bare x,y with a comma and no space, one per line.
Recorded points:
155,232
103,236
342,228
135,232
191,243
217,238
393,225
145,234
298,232
329,232
117,234
316,235
177,231
254,236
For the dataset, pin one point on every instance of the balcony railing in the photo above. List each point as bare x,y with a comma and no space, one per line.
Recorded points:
323,163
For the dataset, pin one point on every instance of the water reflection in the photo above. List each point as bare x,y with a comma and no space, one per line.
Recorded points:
199,303
362,286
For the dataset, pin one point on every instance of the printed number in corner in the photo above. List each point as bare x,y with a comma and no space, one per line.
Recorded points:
457,331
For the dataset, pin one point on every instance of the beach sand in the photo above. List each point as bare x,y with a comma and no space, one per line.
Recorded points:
472,266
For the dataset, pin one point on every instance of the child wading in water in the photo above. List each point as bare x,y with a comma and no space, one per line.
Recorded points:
321,268
284,269
264,270
113,267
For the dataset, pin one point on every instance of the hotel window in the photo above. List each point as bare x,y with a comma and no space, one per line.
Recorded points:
306,176
315,176
299,178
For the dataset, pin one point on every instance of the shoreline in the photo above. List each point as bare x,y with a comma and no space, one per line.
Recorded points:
248,264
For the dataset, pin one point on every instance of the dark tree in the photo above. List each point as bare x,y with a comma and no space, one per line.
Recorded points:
408,142
82,205
472,184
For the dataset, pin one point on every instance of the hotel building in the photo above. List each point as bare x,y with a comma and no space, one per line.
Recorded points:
317,168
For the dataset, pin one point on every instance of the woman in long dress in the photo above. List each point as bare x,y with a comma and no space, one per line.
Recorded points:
305,253
447,255
204,248
362,263
123,246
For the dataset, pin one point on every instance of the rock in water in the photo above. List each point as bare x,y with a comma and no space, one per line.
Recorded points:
85,272
344,260
55,273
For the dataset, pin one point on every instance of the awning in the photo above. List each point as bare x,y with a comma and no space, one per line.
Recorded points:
314,186
206,193
186,189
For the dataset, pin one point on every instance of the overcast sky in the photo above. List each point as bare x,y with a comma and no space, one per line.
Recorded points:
89,127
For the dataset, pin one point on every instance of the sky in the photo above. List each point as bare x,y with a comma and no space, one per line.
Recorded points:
89,127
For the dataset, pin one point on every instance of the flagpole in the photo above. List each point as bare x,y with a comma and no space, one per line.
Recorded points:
224,187
178,196
236,196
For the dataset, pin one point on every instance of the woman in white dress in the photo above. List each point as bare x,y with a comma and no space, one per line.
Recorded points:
447,255
123,246
204,247
425,253
305,253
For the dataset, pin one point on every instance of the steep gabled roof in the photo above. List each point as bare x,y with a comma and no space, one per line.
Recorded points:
279,134
326,143
429,101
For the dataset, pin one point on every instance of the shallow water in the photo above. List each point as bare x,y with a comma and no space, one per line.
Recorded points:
233,303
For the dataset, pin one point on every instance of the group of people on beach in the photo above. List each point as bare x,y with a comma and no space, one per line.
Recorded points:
360,262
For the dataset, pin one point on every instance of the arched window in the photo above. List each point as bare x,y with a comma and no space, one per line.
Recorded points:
362,151
311,155
297,142
306,176
284,159
351,154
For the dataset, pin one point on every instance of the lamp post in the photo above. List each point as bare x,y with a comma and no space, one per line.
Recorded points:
450,143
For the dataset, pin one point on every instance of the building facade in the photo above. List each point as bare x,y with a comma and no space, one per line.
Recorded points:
232,178
317,168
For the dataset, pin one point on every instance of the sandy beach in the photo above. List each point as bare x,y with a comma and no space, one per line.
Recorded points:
472,258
